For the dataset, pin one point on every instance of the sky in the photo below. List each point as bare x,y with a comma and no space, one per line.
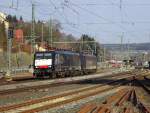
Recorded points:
106,20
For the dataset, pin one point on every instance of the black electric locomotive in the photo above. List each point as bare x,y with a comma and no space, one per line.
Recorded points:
60,63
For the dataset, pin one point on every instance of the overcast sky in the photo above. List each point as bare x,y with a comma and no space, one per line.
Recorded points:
107,20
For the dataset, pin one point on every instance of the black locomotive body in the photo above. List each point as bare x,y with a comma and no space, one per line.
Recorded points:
59,63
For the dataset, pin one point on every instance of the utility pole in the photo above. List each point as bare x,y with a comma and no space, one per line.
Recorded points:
128,48
104,54
120,6
82,44
149,38
95,49
42,33
128,51
32,31
13,6
50,32
121,46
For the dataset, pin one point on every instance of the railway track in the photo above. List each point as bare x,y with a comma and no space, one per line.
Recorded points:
64,98
24,79
143,85
124,101
116,103
45,103
26,89
143,108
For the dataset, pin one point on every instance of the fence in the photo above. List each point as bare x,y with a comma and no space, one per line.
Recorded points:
19,62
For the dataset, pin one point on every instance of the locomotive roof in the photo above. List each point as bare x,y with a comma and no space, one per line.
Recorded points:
65,52
59,51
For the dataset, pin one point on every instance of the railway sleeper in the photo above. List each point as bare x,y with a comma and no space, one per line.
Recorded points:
128,110
114,97
123,98
143,86
143,108
88,108
133,98
104,110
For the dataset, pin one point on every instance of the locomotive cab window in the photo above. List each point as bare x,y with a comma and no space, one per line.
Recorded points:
48,55
39,56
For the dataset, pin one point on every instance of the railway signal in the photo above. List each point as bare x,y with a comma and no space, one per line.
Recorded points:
10,32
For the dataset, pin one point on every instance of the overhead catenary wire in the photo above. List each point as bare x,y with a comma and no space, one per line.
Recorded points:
116,24
105,19
74,25
67,21
113,4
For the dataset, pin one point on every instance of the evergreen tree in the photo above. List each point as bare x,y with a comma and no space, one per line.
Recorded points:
21,19
9,18
14,19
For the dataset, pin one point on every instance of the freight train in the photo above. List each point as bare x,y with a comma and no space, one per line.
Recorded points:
60,63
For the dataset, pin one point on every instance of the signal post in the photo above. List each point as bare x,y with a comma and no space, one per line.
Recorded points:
8,76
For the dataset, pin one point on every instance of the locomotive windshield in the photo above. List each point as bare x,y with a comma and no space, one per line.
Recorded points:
47,55
39,55
43,55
